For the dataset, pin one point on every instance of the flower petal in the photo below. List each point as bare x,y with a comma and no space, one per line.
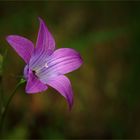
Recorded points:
45,45
62,61
26,72
62,85
34,85
45,40
22,46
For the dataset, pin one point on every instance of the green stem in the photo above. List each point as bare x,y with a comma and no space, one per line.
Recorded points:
5,109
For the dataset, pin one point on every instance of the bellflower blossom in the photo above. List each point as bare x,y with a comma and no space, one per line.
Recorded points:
44,65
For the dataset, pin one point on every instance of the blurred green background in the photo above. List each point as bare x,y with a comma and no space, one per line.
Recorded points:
106,87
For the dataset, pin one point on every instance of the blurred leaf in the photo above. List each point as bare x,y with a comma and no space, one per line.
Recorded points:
20,132
95,37
52,133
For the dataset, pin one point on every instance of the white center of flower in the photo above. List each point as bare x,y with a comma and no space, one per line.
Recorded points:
38,69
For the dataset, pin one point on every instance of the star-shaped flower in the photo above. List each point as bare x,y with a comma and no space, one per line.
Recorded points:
44,66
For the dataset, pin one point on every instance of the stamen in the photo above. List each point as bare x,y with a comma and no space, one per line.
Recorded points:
46,65
40,68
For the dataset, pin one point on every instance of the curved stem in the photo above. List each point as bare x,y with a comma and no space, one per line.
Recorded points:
5,109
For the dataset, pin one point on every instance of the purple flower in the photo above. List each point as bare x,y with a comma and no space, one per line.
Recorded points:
44,66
